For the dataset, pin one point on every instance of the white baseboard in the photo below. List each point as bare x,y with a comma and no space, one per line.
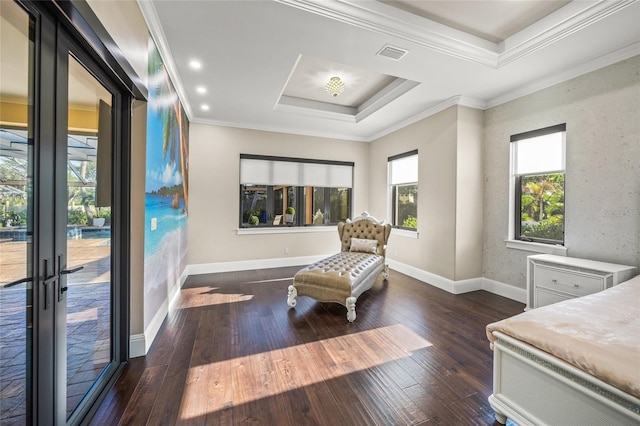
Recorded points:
154,326
505,290
462,286
245,265
455,287
139,344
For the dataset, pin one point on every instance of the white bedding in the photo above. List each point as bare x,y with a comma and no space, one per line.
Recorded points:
598,333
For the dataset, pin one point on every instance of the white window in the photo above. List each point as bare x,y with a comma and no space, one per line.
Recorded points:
538,177
403,190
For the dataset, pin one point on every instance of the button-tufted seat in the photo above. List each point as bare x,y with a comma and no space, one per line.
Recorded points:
343,277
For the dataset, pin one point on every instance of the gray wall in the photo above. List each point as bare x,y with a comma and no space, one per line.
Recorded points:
602,112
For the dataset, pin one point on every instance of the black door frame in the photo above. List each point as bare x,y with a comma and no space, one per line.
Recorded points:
73,25
66,48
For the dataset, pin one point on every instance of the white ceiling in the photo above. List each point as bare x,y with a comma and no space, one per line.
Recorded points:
310,76
248,50
494,20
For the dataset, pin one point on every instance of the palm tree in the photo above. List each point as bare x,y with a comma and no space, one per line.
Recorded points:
546,196
174,122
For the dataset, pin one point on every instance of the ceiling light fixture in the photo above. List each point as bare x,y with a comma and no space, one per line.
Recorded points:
196,65
201,89
204,107
335,86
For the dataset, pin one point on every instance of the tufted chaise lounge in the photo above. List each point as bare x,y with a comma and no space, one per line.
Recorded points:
343,277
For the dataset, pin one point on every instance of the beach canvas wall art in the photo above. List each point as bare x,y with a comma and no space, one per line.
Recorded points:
166,190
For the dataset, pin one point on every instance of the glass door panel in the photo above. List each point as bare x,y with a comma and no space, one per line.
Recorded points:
88,248
16,214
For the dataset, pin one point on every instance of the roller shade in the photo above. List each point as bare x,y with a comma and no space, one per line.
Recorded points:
540,151
295,172
404,168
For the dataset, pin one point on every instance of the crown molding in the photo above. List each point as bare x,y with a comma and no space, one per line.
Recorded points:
447,103
388,94
317,109
382,18
560,24
281,129
385,19
157,34
453,101
604,61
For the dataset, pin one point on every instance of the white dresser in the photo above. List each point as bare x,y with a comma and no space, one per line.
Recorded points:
551,278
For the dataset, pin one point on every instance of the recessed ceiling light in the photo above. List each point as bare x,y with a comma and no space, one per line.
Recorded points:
201,89
204,107
196,65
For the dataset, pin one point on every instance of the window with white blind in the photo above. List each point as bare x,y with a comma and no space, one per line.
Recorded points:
403,190
538,179
282,191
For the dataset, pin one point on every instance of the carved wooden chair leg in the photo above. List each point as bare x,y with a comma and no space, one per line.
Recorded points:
291,296
385,272
351,309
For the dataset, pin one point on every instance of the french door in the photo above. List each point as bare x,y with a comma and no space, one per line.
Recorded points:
61,262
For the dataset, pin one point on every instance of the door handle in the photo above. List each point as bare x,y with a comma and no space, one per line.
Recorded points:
71,271
20,281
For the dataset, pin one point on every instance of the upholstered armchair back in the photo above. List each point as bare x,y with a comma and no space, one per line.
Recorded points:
364,229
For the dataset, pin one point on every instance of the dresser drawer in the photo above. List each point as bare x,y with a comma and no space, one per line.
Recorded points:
544,298
571,283
552,278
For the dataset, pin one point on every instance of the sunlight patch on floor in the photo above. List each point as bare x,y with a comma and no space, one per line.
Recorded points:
208,296
240,380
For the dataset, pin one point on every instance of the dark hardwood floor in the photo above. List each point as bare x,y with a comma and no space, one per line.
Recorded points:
232,352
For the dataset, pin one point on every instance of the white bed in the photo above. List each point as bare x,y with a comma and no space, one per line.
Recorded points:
575,362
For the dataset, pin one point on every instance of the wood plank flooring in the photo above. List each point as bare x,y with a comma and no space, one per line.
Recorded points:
233,352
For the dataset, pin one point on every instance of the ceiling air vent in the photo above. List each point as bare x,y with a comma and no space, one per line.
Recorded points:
392,52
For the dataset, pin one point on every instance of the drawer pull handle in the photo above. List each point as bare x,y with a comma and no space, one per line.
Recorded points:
555,281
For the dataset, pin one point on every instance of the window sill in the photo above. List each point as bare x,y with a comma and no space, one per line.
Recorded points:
537,247
404,233
285,230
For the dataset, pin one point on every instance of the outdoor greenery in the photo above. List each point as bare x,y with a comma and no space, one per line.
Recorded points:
13,193
81,176
406,205
410,222
248,214
77,217
542,206
13,218
331,205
